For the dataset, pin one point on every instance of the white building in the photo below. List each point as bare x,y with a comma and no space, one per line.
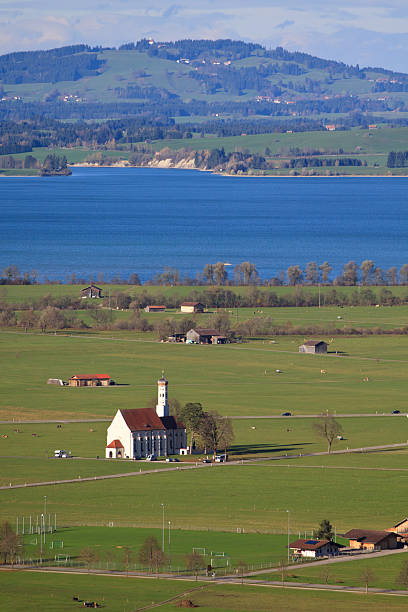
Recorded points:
140,432
314,548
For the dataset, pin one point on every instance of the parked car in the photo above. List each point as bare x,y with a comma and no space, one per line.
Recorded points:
395,412
286,414
206,460
151,458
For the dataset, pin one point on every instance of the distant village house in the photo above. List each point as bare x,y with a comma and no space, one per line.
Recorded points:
313,549
91,292
192,307
205,336
143,432
90,380
313,346
365,539
155,308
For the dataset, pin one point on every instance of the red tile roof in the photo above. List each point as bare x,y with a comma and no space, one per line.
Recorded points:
309,544
115,444
90,377
153,307
146,419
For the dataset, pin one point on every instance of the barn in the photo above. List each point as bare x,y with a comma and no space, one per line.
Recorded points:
366,539
91,292
313,346
205,336
90,380
192,307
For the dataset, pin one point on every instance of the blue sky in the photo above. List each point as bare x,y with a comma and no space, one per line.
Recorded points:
368,32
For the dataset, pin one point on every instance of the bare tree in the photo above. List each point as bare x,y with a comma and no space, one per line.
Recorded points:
325,270
127,558
195,562
328,428
367,576
283,565
241,568
325,574
151,554
220,273
89,556
216,431
294,274
9,542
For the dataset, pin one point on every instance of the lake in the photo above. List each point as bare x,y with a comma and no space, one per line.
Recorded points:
124,220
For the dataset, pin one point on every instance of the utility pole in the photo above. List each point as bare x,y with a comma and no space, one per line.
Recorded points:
169,546
288,511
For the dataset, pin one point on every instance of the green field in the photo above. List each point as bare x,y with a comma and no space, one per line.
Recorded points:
258,550
50,592
239,379
385,572
254,497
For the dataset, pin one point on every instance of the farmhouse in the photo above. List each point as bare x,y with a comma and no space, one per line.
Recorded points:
90,380
314,548
91,292
401,528
313,346
192,307
143,432
205,336
366,539
155,308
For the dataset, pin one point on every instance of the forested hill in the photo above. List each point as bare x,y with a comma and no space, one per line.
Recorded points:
208,72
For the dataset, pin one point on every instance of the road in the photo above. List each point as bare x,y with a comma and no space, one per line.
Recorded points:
194,466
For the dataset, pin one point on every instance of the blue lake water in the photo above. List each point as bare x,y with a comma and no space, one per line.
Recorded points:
125,220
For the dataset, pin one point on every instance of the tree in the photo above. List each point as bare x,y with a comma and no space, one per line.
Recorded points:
325,574
402,578
89,556
367,576
28,319
208,274
312,273
246,273
403,273
392,276
283,564
195,562
9,542
52,318
216,431
350,273
366,268
127,558
191,415
220,273
241,568
325,270
325,531
294,274
328,428
151,554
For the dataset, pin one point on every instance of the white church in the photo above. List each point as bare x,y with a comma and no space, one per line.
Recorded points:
140,432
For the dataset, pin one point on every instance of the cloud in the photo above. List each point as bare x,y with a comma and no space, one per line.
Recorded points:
284,24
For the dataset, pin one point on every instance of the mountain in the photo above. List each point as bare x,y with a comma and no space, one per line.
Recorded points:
191,78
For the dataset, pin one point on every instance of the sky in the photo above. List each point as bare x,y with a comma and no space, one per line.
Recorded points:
364,32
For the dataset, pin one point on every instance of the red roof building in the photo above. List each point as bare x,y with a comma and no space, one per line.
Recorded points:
90,380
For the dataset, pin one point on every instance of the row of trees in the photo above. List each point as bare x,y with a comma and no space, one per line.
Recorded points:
243,274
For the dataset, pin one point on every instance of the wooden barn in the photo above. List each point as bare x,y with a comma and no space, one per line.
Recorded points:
205,336
91,292
313,346
192,307
90,380
153,308
366,539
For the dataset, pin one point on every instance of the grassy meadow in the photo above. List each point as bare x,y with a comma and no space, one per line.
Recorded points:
253,497
50,592
233,379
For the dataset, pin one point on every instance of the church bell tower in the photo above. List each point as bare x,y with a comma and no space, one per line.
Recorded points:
162,408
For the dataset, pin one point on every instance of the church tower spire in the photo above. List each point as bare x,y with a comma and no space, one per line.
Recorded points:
162,408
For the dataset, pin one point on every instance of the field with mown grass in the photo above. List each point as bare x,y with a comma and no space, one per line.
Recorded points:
220,497
385,571
109,542
50,592
368,375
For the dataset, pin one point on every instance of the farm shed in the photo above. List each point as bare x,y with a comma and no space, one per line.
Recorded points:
205,336
400,528
314,548
366,539
155,308
90,380
91,292
192,307
313,346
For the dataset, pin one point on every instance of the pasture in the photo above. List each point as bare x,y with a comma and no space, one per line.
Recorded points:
50,592
367,376
253,497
